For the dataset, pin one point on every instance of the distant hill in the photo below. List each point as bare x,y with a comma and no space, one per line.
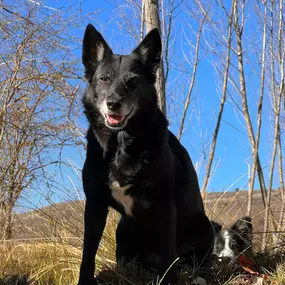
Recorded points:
66,219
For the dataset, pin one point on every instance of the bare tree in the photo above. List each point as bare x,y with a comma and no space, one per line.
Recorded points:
282,188
38,85
276,109
223,100
281,50
259,116
239,53
193,75
151,20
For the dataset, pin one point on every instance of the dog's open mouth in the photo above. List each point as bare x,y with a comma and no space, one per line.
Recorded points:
115,120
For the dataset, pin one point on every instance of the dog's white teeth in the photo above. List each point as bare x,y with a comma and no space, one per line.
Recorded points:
115,184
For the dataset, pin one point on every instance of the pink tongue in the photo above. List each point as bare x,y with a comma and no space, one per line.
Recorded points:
114,119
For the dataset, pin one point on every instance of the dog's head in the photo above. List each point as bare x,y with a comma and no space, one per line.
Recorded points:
119,84
235,241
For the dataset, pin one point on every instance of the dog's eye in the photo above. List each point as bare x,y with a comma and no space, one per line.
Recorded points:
234,245
104,78
131,82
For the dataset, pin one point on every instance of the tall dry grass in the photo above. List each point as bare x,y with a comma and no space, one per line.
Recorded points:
53,260
48,260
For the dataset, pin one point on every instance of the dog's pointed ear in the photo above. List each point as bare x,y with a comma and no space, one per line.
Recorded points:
243,225
94,50
149,50
217,227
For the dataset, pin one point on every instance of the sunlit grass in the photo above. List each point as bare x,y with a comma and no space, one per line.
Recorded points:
46,263
55,260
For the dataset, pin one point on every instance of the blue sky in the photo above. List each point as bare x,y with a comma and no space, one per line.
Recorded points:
233,152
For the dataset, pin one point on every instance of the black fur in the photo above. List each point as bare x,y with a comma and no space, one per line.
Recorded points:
140,153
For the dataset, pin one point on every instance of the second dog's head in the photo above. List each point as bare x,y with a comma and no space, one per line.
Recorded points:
234,241
119,84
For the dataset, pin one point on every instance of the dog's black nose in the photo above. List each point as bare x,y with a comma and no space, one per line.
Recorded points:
113,104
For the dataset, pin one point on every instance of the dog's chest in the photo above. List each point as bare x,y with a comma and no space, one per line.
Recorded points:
121,196
125,164
121,177
125,169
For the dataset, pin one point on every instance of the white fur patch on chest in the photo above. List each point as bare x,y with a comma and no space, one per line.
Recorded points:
119,194
227,251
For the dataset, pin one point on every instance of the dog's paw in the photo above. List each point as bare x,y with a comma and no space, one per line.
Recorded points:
199,281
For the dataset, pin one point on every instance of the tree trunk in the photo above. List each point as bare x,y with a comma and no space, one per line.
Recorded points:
7,233
282,188
8,210
151,19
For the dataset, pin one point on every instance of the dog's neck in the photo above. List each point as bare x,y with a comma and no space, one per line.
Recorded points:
138,148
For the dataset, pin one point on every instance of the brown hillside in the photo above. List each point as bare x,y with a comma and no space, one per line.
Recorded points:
65,220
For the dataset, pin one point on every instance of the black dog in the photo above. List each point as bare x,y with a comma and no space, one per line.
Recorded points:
234,241
135,165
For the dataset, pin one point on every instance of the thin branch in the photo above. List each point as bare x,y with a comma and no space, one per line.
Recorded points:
223,100
244,102
259,114
193,76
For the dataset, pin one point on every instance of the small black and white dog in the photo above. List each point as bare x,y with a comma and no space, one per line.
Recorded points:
234,241
136,165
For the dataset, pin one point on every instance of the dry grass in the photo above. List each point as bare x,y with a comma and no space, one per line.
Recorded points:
56,260
52,262
47,263
58,263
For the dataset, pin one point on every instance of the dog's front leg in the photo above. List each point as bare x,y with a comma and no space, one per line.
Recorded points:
167,225
94,224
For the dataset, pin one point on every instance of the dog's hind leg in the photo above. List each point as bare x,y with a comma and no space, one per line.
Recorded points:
204,240
197,248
